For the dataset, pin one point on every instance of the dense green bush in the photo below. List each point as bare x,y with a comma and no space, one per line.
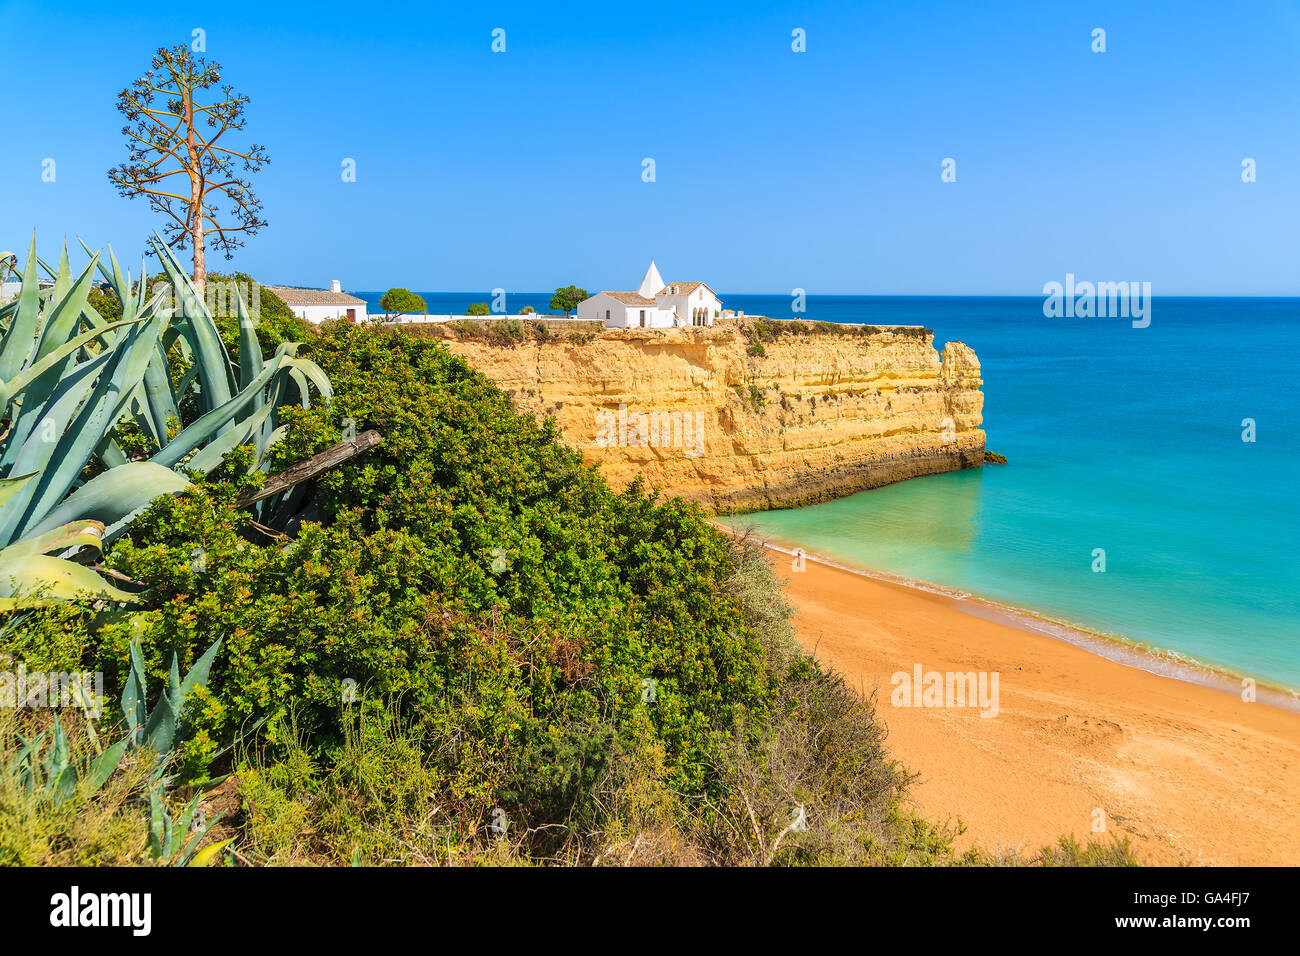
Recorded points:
471,572
105,302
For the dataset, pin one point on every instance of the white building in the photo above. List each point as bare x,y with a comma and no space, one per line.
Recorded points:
317,305
9,290
654,305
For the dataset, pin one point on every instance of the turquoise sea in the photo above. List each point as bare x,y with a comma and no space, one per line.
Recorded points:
1119,438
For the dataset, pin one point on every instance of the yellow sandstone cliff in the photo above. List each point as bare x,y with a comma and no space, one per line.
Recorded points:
707,414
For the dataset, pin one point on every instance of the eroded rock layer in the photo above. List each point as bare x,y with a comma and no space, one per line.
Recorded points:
713,416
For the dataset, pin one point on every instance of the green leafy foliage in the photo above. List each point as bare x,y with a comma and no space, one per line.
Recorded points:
105,302
472,569
566,299
401,301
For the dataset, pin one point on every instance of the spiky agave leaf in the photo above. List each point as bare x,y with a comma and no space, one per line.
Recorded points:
69,377
43,578
28,572
112,496
216,374
75,534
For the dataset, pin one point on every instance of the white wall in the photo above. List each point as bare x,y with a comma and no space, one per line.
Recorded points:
655,318
594,308
420,317
658,316
621,315
319,313
687,304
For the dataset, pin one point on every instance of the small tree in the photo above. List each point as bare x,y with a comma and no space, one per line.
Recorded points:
478,308
400,301
182,136
567,299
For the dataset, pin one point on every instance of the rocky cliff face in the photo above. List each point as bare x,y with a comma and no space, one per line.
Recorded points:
699,414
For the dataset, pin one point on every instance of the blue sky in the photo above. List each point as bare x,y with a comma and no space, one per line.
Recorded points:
774,169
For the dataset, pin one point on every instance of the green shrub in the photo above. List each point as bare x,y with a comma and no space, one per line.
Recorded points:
504,332
1069,852
105,302
396,590
401,301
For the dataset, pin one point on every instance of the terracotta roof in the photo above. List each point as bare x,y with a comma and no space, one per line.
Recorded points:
629,298
684,288
314,297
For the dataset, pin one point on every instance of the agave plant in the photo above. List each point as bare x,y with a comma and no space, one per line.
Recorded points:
69,378
57,776
59,773
167,838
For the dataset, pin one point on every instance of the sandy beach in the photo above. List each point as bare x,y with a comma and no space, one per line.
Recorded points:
1191,774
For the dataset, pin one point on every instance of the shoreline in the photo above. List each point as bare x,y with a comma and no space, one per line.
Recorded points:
1077,745
1159,662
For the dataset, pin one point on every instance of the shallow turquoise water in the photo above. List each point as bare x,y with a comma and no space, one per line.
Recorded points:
1124,439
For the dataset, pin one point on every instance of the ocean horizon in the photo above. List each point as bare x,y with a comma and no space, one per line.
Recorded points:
1124,444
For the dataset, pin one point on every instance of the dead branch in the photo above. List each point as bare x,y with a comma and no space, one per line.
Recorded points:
309,468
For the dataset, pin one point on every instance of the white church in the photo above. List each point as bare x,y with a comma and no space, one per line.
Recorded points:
654,305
